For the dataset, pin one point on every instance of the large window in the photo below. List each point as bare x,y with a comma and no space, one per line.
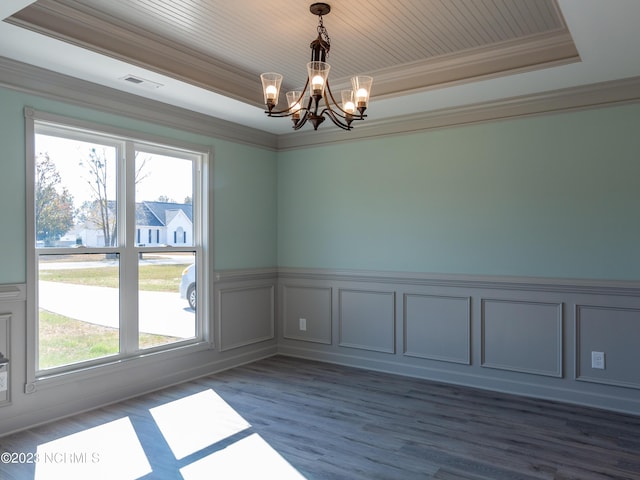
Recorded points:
119,238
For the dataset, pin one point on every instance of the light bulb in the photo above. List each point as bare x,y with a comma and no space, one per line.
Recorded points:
317,82
349,107
271,91
362,94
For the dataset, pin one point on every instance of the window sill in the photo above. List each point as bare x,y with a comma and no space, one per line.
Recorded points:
119,365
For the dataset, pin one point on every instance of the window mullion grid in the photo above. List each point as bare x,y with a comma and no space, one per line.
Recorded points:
128,251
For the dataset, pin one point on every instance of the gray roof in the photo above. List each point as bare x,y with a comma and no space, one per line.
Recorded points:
158,214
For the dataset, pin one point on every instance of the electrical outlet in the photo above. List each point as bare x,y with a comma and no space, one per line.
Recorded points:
597,360
3,381
303,324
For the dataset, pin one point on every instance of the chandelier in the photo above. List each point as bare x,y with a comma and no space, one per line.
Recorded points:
316,101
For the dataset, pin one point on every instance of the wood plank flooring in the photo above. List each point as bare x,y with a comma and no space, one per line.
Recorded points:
325,421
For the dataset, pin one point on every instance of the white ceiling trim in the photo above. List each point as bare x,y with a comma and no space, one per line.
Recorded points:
514,56
153,53
615,92
46,83
37,81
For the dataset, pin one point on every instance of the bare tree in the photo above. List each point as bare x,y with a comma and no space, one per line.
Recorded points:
102,211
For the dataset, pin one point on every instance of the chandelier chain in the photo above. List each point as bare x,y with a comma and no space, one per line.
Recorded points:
322,31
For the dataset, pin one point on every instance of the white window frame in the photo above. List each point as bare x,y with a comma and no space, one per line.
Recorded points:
127,143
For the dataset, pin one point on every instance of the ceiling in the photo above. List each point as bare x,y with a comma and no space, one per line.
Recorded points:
424,55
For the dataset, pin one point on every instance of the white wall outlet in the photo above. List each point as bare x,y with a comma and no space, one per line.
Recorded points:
597,360
303,324
3,381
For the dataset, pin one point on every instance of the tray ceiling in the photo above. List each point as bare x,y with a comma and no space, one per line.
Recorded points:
223,46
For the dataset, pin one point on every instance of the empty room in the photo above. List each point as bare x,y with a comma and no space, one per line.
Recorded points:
342,240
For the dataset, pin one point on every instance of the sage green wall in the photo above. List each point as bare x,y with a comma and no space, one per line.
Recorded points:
244,190
553,196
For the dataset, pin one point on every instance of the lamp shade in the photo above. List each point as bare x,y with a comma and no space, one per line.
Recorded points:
362,89
294,102
271,87
348,103
318,74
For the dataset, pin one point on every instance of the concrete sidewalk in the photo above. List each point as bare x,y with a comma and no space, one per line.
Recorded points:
161,313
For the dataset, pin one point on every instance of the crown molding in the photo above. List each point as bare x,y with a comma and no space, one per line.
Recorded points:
522,54
596,95
55,86
77,24
45,83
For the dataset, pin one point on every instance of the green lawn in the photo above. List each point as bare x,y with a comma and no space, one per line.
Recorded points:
157,278
64,340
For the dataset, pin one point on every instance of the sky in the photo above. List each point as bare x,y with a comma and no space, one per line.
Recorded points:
162,175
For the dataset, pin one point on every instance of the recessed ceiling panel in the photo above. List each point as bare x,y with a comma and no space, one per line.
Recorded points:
407,45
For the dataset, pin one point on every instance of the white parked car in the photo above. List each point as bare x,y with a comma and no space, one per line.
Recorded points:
188,285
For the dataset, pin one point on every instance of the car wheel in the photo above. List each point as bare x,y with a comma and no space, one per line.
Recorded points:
191,296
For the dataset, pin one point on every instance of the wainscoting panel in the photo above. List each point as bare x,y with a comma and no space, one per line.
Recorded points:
615,332
306,313
526,336
246,315
522,336
437,327
367,320
58,396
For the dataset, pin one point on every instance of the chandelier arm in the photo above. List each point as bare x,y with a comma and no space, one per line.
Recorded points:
309,103
335,119
348,116
303,119
301,122
279,114
336,115
344,113
283,113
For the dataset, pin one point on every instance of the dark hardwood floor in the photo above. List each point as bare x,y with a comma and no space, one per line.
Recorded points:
289,418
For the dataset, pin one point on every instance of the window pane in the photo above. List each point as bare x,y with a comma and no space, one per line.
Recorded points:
113,235
166,295
75,193
164,193
78,308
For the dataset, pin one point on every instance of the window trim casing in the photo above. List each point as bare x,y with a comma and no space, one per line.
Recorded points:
202,237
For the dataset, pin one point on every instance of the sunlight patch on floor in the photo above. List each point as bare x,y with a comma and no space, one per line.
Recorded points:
109,451
196,422
251,457
196,425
